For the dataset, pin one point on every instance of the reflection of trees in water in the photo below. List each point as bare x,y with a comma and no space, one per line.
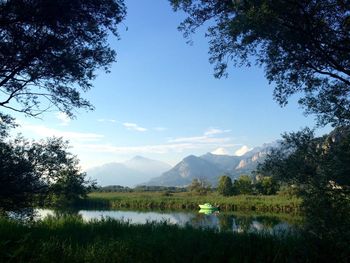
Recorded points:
247,223
183,218
205,221
242,224
226,222
67,212
268,222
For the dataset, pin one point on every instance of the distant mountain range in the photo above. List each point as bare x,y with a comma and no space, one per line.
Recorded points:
144,171
130,173
210,167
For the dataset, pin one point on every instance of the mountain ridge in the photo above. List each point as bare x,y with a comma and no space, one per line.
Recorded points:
211,166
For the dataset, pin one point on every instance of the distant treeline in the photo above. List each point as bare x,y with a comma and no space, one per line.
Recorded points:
141,188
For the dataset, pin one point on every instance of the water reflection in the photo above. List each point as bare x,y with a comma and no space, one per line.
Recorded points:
227,222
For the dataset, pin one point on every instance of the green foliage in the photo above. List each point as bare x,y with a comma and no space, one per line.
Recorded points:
243,185
113,188
70,239
266,185
225,186
37,170
6,122
70,186
304,47
157,200
288,190
18,181
199,186
319,167
50,48
304,159
155,188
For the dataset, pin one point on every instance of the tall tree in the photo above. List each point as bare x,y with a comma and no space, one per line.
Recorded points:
18,181
36,170
304,47
266,185
225,185
319,167
243,185
199,186
50,50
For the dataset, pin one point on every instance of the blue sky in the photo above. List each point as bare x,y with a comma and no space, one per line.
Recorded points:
161,100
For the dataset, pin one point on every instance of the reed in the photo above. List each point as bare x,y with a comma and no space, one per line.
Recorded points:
157,200
70,239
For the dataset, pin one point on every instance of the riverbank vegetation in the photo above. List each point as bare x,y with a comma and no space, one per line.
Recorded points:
188,200
69,239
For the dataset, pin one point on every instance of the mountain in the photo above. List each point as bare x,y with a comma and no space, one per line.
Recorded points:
224,162
185,171
250,160
211,166
148,166
130,173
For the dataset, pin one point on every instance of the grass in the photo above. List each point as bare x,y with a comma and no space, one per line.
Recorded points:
69,239
158,200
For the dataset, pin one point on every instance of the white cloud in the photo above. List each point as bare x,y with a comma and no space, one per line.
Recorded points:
63,118
209,136
244,149
43,131
106,120
200,143
220,151
201,139
214,131
158,148
134,127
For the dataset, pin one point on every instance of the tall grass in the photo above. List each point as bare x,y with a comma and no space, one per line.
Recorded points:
70,239
187,201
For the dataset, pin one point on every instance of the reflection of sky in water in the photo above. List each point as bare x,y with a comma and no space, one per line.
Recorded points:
42,213
206,221
137,217
220,222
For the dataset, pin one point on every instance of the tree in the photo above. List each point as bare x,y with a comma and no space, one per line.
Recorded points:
199,186
71,186
18,181
243,185
6,123
59,169
50,49
319,167
225,185
304,47
304,159
31,171
266,185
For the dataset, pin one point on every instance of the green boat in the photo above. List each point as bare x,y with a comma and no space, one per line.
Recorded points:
208,206
207,211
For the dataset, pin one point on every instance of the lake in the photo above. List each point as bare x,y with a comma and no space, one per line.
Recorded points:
231,222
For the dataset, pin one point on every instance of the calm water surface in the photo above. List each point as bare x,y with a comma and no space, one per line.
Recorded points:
217,221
